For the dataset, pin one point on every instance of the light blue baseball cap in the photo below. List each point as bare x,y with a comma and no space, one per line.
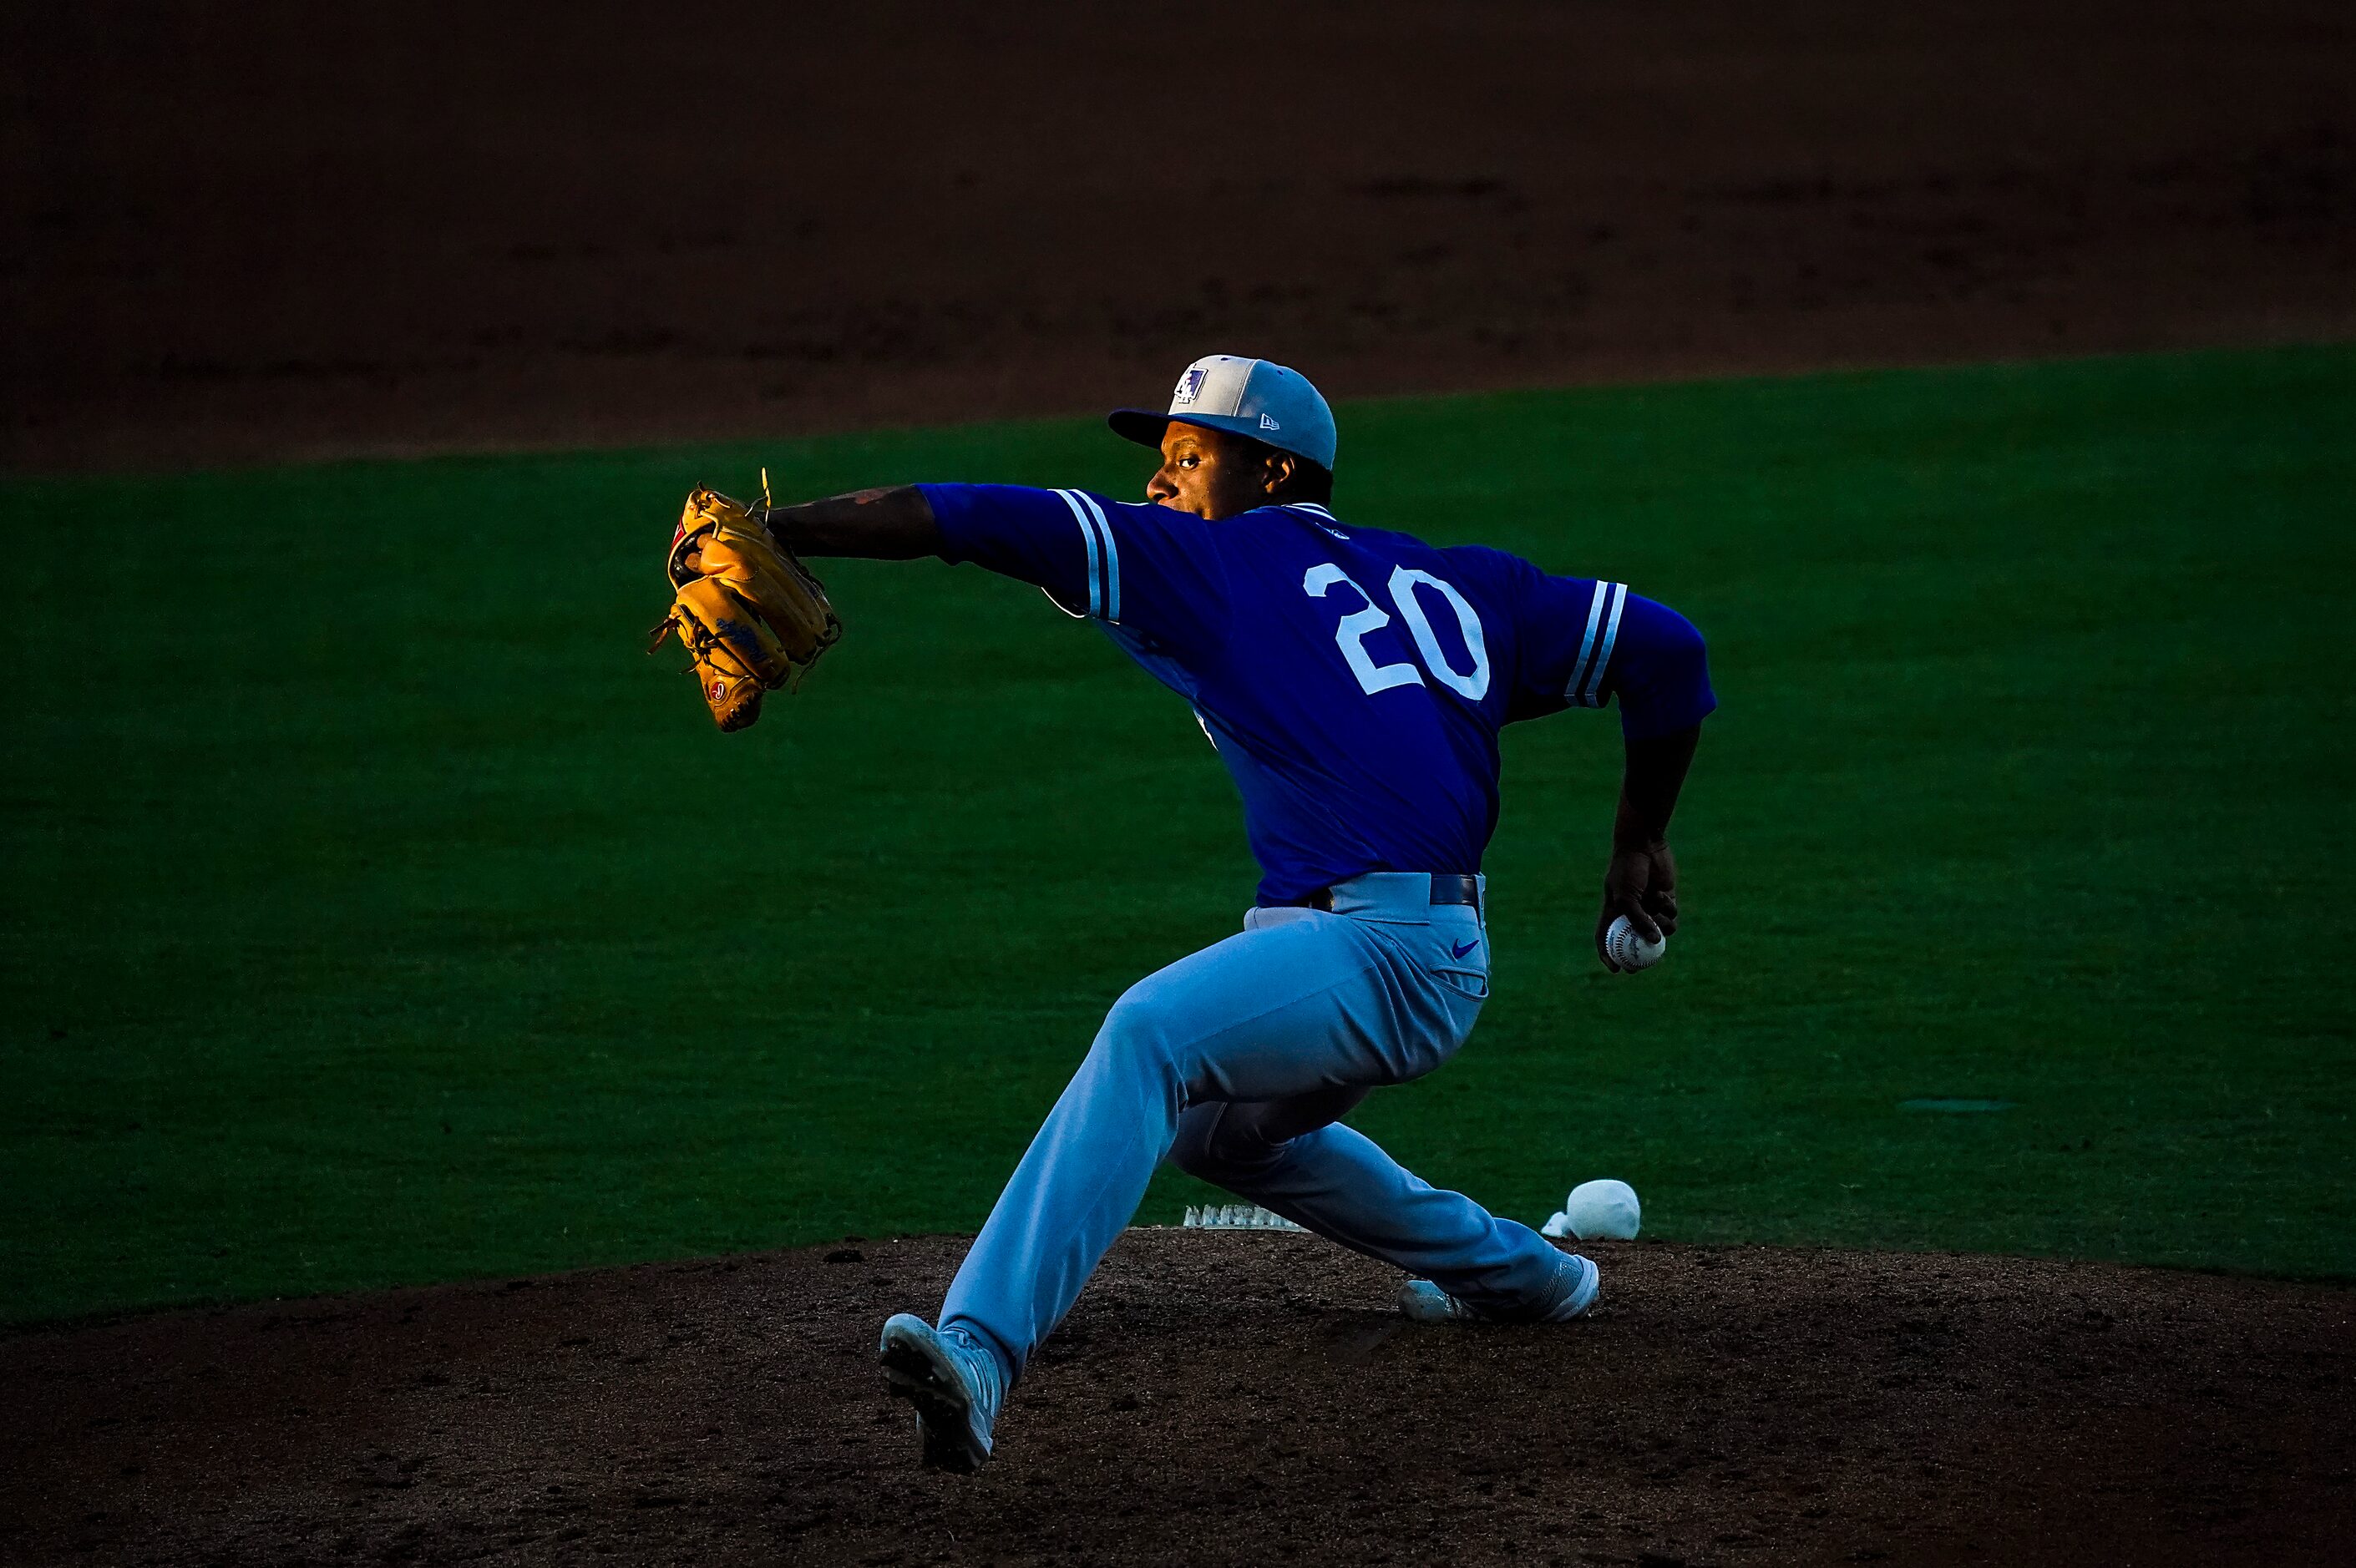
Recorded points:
1257,398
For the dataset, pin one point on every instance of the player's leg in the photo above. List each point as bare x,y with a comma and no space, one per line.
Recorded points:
1294,1157
1284,1008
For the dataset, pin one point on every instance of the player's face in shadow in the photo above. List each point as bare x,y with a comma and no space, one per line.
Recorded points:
1214,475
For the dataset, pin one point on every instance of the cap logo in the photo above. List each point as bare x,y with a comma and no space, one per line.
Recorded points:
1189,388
1266,423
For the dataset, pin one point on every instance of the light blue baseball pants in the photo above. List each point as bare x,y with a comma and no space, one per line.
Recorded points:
1235,1062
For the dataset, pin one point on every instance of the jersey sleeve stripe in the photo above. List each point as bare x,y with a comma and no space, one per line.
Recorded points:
1586,647
1111,558
1594,697
1088,537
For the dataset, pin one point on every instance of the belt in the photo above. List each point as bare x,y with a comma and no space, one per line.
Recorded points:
1446,888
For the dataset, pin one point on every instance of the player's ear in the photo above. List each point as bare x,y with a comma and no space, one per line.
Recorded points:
1277,471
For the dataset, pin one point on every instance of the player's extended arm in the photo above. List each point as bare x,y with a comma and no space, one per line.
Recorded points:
893,524
1641,882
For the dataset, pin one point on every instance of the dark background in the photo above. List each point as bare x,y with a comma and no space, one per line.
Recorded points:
268,231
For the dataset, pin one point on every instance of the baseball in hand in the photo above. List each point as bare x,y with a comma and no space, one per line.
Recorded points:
1631,951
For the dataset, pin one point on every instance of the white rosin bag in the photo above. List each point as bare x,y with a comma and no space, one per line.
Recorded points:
1604,1210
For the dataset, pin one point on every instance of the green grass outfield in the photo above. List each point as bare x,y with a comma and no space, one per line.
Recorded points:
375,912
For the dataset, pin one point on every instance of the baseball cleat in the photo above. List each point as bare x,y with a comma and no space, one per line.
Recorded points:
1423,1302
953,1384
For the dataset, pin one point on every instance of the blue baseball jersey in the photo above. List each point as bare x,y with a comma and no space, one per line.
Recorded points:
1352,680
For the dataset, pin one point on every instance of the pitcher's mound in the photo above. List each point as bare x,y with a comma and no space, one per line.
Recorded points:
1216,1398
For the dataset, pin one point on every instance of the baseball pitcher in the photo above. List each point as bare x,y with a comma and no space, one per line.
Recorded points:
1353,682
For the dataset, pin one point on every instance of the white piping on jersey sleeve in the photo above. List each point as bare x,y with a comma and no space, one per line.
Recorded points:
1088,537
1104,555
1586,684
1111,558
1579,665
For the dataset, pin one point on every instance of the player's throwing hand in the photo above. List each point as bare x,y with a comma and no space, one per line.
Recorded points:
1640,881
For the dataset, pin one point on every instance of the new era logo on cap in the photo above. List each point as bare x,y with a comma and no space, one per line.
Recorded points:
1268,423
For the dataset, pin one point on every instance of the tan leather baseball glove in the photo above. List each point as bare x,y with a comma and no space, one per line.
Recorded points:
752,616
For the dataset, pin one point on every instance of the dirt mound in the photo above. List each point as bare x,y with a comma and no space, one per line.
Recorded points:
1214,1398
289,229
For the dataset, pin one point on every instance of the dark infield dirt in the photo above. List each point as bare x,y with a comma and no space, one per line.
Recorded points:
1213,1399
237,233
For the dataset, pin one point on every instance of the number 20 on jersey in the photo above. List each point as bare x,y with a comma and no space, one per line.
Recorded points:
1407,587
